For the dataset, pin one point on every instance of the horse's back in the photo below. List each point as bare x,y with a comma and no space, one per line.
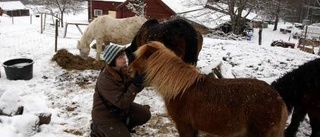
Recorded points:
116,30
98,24
243,90
305,76
233,107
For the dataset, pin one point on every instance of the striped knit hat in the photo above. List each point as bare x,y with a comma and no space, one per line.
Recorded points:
111,52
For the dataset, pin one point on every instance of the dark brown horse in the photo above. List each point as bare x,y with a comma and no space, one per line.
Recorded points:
300,90
177,34
195,101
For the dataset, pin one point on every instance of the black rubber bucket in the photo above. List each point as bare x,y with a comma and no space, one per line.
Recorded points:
19,69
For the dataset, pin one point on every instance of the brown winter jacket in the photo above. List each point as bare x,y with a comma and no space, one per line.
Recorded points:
117,89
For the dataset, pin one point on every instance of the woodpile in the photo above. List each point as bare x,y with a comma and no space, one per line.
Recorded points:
306,45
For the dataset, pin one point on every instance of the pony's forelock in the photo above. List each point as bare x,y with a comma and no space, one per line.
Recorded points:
139,52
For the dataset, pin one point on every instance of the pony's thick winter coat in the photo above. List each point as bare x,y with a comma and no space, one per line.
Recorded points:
223,107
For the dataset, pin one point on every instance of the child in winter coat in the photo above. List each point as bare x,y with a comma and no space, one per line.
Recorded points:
114,114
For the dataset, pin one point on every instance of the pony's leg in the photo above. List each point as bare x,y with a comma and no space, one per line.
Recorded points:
99,49
315,126
298,115
105,44
186,130
314,116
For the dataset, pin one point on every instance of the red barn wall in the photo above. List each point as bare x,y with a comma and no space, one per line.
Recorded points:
154,9
157,9
102,5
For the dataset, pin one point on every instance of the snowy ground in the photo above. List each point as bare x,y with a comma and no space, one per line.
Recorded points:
68,94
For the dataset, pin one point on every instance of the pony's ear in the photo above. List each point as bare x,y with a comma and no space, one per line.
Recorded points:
150,50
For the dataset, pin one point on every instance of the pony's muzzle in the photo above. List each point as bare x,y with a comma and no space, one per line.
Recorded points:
131,72
84,56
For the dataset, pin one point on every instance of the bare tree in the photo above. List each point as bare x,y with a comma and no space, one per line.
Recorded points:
274,9
276,13
137,7
58,8
238,10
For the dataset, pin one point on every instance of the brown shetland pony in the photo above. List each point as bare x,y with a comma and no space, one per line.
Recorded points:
177,34
223,107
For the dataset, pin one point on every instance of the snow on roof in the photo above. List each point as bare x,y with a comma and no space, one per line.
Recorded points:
220,6
251,15
179,6
12,5
207,17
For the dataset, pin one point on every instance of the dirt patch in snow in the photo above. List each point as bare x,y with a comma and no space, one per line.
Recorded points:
69,61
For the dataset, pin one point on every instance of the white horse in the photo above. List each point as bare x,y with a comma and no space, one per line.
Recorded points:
106,29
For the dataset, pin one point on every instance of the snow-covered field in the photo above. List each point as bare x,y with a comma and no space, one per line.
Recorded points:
67,95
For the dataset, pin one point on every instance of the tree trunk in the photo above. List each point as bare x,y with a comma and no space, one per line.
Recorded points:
237,25
277,17
61,19
276,23
237,19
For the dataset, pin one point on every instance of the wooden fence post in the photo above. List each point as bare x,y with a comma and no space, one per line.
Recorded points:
41,23
65,30
44,21
56,36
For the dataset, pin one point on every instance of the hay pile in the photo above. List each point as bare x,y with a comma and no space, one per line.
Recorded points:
69,61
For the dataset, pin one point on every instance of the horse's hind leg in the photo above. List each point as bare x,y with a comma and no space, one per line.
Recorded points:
298,115
186,130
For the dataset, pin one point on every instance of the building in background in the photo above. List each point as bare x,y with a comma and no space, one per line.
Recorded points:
117,8
102,7
14,8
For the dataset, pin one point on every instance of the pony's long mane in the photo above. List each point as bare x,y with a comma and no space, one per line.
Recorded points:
164,63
